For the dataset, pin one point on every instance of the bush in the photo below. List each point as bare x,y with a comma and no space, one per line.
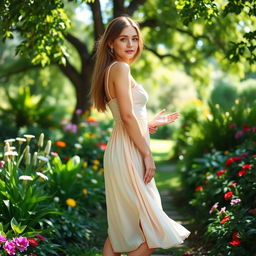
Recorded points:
225,190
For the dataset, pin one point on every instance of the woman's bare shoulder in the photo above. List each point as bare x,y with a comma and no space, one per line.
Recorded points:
120,68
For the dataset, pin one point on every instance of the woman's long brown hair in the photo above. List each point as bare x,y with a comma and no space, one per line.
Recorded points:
104,58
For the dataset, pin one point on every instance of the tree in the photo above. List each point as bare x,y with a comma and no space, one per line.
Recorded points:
203,37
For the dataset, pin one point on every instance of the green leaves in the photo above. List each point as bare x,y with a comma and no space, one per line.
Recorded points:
17,227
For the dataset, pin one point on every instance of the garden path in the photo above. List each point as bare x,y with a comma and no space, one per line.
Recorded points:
170,208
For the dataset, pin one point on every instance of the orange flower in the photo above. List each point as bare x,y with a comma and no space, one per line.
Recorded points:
90,119
60,143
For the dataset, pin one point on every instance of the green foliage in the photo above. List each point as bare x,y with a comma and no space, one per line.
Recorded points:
26,109
239,50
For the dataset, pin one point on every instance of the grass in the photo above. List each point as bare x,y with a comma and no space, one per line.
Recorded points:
161,149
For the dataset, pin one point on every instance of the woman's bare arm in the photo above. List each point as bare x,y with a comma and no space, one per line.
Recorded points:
120,77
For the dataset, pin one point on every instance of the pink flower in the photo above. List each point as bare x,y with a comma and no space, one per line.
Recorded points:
232,126
79,111
71,127
214,207
222,210
2,239
10,247
235,201
42,238
239,134
21,243
1,164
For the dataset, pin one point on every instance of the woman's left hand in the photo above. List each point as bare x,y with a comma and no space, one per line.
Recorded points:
160,119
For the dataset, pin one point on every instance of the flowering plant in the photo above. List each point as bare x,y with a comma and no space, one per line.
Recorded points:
23,176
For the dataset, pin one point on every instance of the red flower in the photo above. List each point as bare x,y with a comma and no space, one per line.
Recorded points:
235,235
241,173
233,184
221,172
225,219
246,128
198,188
246,166
237,158
235,239
229,161
235,242
32,242
252,210
228,195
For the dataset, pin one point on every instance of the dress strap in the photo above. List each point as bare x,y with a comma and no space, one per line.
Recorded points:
107,89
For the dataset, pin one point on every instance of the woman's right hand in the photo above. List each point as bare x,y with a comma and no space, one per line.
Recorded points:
150,168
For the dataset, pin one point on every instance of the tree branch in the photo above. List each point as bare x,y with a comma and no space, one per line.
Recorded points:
118,8
162,56
97,19
133,6
152,23
69,71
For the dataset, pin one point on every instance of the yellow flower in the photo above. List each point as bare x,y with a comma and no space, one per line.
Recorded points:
85,191
101,171
85,164
95,167
96,162
71,202
226,152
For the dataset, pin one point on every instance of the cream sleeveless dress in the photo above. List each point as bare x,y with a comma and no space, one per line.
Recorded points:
134,209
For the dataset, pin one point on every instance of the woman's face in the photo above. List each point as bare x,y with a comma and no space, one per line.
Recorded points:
125,46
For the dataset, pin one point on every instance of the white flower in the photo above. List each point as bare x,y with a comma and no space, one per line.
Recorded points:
41,175
27,159
48,147
41,140
76,159
78,175
29,136
25,177
7,147
21,140
94,181
43,158
78,146
12,148
11,153
9,141
34,159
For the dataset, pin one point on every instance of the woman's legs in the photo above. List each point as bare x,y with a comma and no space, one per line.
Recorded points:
142,250
108,250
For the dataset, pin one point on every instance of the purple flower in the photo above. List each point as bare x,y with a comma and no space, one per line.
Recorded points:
2,239
79,111
239,134
1,164
10,247
71,127
214,207
235,201
21,243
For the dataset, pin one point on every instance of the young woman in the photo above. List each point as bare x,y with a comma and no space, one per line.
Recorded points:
137,223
